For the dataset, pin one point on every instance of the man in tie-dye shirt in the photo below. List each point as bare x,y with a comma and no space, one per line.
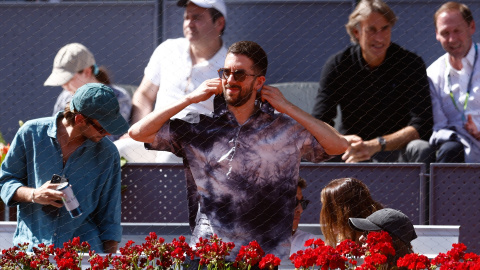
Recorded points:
245,157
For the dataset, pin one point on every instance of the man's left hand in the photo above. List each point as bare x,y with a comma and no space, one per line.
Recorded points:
472,128
275,98
360,151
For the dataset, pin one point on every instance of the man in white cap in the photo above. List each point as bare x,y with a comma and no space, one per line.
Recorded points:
72,145
177,67
73,66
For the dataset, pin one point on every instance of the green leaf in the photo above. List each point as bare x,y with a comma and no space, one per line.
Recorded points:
123,161
2,140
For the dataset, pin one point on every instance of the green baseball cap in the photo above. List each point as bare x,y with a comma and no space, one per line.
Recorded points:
98,101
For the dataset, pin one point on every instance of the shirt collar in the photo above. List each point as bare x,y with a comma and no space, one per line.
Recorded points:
364,64
467,62
219,58
470,58
52,129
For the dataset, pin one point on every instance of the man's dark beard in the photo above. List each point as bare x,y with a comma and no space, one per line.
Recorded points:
241,99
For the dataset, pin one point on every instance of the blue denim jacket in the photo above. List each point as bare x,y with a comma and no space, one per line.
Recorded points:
93,171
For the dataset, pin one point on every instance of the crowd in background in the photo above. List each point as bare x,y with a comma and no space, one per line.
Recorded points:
240,140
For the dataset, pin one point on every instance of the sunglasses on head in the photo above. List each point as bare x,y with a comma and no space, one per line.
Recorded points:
303,203
238,75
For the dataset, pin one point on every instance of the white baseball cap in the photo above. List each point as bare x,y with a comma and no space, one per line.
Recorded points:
216,4
69,60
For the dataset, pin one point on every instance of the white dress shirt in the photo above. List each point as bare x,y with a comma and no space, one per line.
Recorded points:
447,117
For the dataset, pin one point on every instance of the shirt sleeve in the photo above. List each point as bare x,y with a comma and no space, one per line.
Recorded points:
311,149
108,213
13,172
421,109
325,107
169,137
439,118
153,68
125,103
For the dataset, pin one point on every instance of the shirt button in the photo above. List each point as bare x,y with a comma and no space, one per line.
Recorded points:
55,234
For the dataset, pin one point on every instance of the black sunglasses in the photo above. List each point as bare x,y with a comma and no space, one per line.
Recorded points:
303,203
100,129
238,75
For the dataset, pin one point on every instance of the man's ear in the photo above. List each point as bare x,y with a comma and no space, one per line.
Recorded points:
220,23
260,82
356,33
472,28
79,118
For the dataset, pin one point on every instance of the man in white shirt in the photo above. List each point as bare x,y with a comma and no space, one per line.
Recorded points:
177,67
455,85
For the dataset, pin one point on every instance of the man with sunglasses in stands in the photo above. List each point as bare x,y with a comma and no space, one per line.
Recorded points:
298,238
70,144
244,157
176,68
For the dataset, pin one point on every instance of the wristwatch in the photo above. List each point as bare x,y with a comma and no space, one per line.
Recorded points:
383,143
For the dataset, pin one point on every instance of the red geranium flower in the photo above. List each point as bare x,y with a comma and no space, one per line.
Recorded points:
269,262
414,262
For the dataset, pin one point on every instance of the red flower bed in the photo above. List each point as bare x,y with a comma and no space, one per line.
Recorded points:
156,254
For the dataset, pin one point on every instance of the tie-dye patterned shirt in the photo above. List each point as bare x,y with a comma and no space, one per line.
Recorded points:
246,175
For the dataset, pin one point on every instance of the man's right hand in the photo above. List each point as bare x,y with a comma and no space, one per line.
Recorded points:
48,194
358,149
207,89
146,129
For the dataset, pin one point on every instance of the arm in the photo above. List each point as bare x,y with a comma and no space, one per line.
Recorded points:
46,194
326,101
15,186
143,99
107,215
110,246
360,150
146,129
440,119
326,135
418,88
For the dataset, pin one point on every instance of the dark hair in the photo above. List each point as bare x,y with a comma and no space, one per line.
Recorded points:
301,183
342,199
69,115
363,10
254,52
215,14
401,249
102,75
454,6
